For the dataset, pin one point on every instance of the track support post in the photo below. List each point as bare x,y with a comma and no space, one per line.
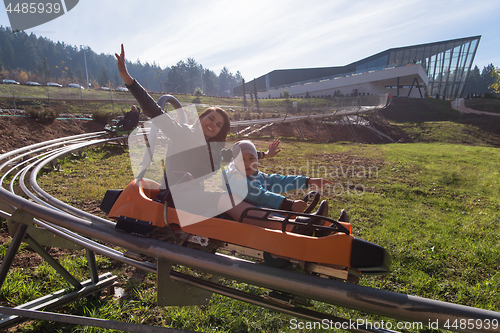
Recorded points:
12,250
175,293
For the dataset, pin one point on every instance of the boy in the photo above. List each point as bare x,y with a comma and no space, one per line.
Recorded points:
244,180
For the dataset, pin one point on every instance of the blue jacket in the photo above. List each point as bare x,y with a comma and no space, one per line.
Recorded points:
262,189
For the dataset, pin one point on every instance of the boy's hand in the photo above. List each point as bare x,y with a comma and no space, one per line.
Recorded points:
273,148
318,182
299,206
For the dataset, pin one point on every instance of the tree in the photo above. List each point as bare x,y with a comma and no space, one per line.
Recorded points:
176,80
193,75
158,77
43,69
210,82
23,76
238,77
103,78
116,79
225,82
487,77
39,56
26,51
70,74
495,86
480,82
7,51
80,75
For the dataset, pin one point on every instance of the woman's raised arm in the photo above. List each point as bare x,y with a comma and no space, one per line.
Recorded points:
122,68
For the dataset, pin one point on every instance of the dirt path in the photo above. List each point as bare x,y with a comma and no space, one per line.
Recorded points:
459,105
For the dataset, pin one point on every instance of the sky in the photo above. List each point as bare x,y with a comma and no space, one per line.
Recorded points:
260,36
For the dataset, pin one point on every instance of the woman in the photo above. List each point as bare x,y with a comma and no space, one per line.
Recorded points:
195,149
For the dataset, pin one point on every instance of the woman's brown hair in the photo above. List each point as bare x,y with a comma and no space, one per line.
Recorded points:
221,136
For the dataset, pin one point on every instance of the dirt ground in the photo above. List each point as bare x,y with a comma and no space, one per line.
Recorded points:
18,131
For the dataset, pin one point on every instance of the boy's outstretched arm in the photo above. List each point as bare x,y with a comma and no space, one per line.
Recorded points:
318,182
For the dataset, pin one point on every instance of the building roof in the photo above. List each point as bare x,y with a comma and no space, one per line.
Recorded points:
447,64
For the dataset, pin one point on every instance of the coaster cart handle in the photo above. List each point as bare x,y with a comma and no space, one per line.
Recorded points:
334,226
315,196
182,116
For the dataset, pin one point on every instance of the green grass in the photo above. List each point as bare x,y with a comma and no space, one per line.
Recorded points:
96,171
484,104
417,110
435,207
435,121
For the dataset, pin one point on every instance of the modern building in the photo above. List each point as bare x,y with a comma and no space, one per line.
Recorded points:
437,69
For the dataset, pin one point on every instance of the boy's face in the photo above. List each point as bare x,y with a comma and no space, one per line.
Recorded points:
251,164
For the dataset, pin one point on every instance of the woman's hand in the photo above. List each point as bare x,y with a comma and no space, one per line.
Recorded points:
273,148
122,68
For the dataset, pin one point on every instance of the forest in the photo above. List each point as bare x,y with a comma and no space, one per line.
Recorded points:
481,83
26,57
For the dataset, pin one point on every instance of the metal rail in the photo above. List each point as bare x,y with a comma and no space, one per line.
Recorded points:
193,281
77,225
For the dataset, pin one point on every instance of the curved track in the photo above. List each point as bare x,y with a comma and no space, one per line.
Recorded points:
23,165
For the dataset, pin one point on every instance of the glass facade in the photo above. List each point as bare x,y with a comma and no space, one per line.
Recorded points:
447,63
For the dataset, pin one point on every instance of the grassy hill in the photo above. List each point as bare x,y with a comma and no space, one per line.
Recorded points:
484,104
430,120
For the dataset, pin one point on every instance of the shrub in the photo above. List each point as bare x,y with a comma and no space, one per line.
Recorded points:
42,114
102,117
492,96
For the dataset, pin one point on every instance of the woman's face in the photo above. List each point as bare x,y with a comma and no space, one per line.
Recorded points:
211,124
